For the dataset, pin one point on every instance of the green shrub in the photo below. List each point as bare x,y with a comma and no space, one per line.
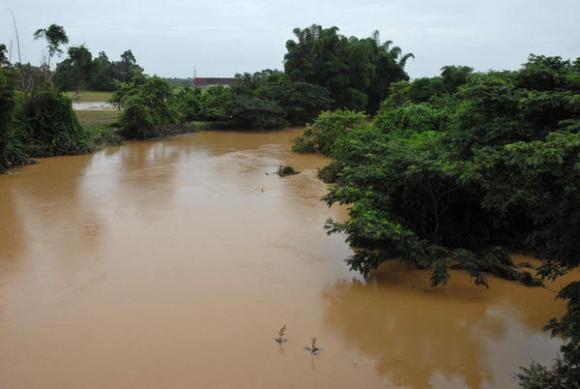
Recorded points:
410,116
105,136
327,128
148,107
7,87
47,126
257,113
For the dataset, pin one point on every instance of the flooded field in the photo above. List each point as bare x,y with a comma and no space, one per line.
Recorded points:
173,264
92,106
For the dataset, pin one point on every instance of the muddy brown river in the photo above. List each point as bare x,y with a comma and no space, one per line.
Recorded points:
173,264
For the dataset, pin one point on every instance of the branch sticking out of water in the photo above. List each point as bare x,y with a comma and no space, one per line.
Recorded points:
281,338
313,349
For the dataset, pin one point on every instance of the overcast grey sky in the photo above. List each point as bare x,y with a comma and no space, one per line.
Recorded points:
220,38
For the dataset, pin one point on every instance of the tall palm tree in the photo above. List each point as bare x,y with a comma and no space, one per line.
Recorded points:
55,36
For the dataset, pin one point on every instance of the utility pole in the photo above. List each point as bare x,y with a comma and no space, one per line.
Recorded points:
10,52
17,35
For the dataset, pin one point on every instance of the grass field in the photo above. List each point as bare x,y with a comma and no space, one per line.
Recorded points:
99,125
96,118
89,96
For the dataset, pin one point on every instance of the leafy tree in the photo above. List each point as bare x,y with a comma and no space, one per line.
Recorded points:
148,107
189,104
7,87
55,37
75,72
356,72
3,58
256,113
81,71
126,69
215,104
300,101
329,127
283,100
454,76
102,77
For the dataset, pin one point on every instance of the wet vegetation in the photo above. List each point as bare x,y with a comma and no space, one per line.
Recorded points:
457,171
285,171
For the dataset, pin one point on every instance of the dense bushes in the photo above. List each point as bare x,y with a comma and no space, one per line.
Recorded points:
329,126
264,100
7,87
456,176
269,100
47,126
148,107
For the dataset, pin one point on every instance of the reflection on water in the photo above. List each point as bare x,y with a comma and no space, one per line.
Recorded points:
174,263
92,106
458,334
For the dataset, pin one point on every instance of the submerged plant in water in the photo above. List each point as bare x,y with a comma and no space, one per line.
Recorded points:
281,338
313,349
286,170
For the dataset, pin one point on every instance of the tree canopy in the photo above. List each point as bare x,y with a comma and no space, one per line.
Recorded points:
81,71
357,72
55,37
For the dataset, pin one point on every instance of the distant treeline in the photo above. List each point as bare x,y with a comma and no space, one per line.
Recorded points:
80,71
322,70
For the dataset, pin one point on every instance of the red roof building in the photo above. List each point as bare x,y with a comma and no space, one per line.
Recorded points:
206,82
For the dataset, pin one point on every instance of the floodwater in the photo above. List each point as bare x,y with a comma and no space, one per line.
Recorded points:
173,264
92,106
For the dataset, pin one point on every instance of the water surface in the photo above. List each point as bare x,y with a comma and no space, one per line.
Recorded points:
172,264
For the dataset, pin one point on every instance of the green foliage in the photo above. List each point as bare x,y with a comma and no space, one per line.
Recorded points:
262,100
80,71
454,76
268,99
327,128
74,73
215,104
104,136
566,371
55,37
356,72
415,117
454,177
189,104
300,101
148,108
47,126
257,113
543,73
7,88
